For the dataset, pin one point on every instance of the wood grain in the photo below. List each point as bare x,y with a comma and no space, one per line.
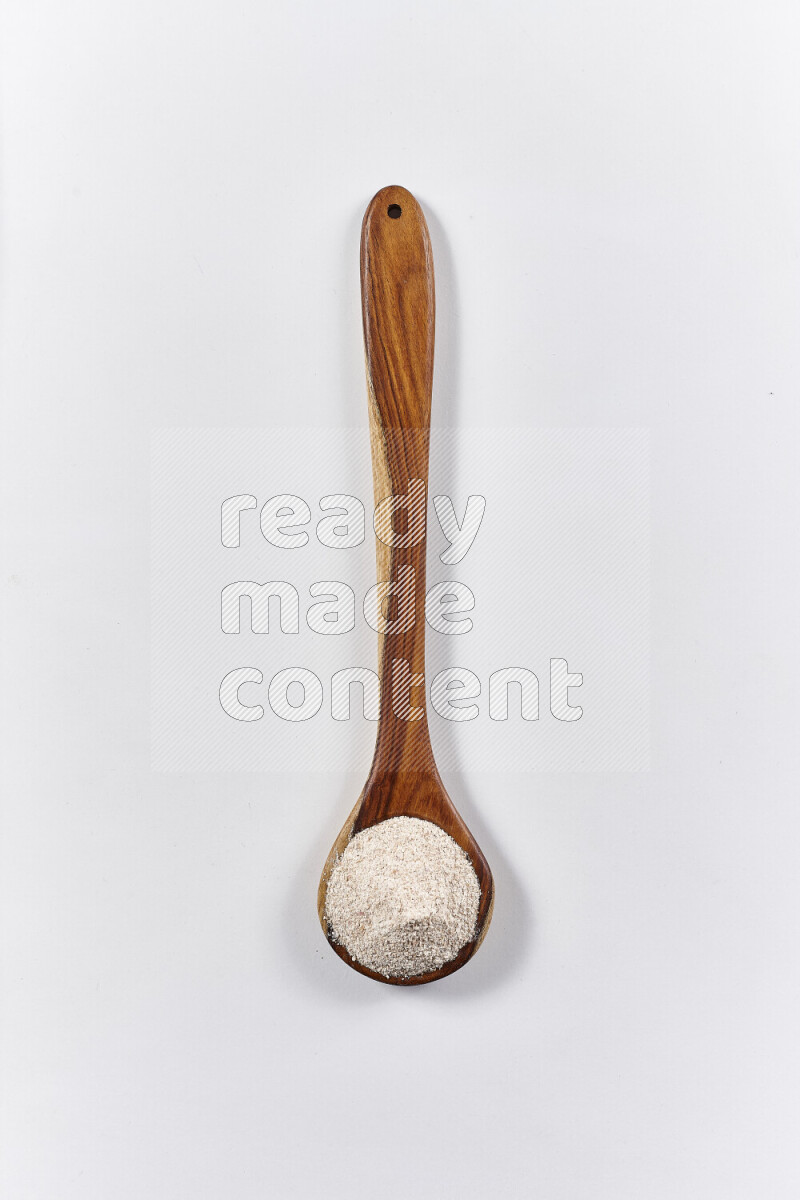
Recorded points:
398,306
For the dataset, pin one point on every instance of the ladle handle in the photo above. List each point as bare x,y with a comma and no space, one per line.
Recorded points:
397,298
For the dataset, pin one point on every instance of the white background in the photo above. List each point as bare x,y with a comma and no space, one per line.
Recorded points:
612,191
559,568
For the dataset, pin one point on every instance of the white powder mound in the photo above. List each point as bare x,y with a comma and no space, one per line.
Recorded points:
403,898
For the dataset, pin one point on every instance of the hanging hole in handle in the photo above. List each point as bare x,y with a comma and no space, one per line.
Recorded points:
394,211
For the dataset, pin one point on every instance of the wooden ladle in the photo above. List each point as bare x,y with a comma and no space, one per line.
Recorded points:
397,298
